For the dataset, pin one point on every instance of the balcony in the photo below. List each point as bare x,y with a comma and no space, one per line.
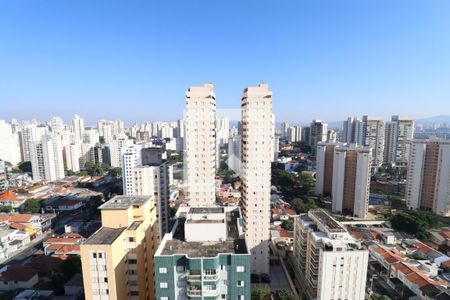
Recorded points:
194,278
211,293
194,292
214,277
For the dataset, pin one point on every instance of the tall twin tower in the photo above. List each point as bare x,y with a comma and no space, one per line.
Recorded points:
256,156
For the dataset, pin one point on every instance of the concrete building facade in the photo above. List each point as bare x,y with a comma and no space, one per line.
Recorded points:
200,145
256,157
117,260
329,263
428,177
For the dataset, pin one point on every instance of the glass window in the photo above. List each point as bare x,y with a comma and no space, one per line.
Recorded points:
162,270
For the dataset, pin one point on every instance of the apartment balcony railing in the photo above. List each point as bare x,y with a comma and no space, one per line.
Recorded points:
194,293
194,278
211,277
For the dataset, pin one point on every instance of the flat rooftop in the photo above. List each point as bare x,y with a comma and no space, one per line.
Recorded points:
123,202
233,243
331,224
206,210
104,236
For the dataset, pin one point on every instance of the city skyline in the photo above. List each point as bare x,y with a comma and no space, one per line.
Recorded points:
117,57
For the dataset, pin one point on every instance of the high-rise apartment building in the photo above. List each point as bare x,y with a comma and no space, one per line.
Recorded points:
256,157
204,257
345,168
329,263
200,145
317,133
28,134
117,260
9,144
78,127
373,137
145,171
294,134
234,154
47,158
352,131
428,179
399,134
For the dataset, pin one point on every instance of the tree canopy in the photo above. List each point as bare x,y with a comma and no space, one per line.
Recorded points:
283,294
292,185
415,222
32,205
261,293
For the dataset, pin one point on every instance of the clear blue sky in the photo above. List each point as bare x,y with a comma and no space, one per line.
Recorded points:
134,59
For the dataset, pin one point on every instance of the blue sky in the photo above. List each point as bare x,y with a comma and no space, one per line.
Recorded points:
134,59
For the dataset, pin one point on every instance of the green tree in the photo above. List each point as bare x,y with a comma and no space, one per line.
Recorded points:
32,205
287,225
5,208
302,205
415,222
261,293
283,294
25,166
115,172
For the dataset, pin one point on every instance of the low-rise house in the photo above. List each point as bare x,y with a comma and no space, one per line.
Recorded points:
63,204
34,294
68,244
11,240
18,277
9,198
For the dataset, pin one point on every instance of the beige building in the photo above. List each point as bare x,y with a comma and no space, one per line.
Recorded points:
117,260
329,263
343,171
257,154
428,179
200,145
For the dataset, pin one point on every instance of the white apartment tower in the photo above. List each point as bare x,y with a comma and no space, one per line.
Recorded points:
200,145
373,137
256,156
353,131
9,144
399,134
329,263
78,127
428,181
47,158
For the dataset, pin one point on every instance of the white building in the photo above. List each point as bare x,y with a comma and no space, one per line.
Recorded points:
353,129
428,179
28,134
294,134
200,145
9,144
145,172
234,154
399,134
257,154
47,158
78,127
329,263
117,147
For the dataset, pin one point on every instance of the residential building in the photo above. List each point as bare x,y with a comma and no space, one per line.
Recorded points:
399,134
205,256
28,134
9,145
78,127
294,134
353,129
343,171
428,179
117,260
373,137
256,157
317,133
200,145
234,154
47,158
329,262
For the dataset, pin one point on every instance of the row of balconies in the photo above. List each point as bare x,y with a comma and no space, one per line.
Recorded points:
198,292
198,278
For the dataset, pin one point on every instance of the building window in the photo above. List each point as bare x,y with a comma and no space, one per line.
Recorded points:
131,239
162,270
163,285
164,298
240,269
94,255
240,283
180,269
240,297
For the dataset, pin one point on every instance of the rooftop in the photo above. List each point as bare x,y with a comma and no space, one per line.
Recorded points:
233,244
326,220
123,202
104,236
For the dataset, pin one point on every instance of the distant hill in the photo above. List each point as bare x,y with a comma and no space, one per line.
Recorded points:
434,120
